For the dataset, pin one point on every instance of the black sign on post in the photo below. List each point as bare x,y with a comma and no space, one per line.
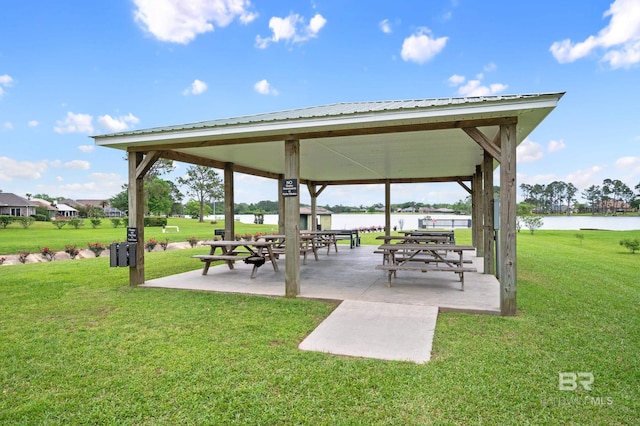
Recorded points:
290,188
132,235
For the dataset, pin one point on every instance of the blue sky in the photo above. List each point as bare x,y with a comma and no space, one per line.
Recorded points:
70,69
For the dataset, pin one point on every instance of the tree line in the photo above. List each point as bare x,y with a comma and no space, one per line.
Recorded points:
559,197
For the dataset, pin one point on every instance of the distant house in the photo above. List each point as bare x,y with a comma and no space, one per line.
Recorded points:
13,205
51,208
103,204
113,212
66,211
432,210
406,210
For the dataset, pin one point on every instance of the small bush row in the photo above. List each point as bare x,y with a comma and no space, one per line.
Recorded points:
27,221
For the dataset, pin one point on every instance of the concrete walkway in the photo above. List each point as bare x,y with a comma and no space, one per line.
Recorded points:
374,320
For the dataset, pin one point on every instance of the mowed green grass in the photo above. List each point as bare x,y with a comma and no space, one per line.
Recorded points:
79,346
44,234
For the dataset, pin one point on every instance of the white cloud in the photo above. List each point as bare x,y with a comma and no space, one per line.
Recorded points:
77,165
619,41
475,87
118,124
490,67
59,179
456,80
74,123
385,26
584,178
421,46
179,21
556,145
631,166
291,29
86,148
106,176
33,123
197,87
529,151
73,164
626,162
265,88
5,81
11,169
8,125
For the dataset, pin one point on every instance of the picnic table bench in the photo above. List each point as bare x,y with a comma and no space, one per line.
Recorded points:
323,239
434,257
231,251
347,234
307,245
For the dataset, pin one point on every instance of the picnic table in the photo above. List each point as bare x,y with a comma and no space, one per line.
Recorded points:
307,245
431,233
347,234
323,239
233,251
422,239
425,258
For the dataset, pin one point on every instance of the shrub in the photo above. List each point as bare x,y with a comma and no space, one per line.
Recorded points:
76,223
155,221
41,217
164,243
47,253
59,223
151,244
6,220
116,222
533,222
96,248
193,241
71,250
22,256
630,244
95,222
26,221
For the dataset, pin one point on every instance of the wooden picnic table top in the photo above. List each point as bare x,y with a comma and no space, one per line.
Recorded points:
234,243
423,239
427,232
281,236
425,247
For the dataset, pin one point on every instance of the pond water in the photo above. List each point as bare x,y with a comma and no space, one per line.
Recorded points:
410,221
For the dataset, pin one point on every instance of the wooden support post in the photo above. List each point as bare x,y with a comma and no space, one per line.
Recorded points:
314,198
314,193
508,277
281,213
292,219
136,215
387,208
487,173
229,202
476,211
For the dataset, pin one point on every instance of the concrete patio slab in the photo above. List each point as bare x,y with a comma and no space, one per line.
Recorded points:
388,331
370,321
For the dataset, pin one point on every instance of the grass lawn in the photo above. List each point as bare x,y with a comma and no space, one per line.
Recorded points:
78,346
45,234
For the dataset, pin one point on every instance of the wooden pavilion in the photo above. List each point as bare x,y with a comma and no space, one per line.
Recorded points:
459,140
